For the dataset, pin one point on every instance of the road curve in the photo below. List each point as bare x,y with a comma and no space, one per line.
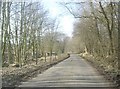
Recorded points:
72,72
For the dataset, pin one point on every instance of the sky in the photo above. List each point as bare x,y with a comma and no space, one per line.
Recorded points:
59,12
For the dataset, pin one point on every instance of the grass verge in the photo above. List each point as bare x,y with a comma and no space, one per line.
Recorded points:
110,74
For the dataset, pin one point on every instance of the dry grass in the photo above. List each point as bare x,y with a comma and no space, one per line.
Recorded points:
105,66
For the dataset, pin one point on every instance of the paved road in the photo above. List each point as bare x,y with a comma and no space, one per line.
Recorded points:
72,72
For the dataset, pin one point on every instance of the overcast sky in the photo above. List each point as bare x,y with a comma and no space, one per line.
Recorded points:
65,18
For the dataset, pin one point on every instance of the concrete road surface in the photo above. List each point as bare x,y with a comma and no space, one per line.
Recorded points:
72,72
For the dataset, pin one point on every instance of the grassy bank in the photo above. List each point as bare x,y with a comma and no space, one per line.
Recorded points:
110,73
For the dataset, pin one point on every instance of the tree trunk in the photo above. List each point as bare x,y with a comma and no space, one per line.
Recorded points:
119,35
108,27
